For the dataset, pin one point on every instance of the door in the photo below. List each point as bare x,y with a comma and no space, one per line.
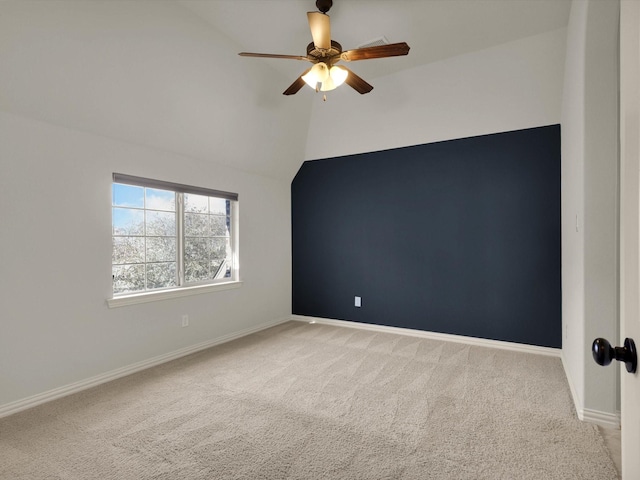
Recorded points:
630,227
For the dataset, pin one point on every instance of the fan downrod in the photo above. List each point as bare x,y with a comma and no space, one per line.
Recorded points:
324,5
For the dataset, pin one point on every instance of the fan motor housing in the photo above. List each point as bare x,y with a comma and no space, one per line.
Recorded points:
335,51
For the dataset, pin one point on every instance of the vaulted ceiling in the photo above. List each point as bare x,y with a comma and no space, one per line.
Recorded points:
166,74
435,29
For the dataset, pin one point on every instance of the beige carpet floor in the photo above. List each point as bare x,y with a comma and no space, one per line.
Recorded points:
310,401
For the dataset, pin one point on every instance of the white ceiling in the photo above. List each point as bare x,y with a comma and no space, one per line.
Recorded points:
434,29
166,73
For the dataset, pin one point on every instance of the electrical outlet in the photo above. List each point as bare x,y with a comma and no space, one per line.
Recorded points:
185,320
358,302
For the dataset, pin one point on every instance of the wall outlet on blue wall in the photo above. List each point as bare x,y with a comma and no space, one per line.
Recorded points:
358,302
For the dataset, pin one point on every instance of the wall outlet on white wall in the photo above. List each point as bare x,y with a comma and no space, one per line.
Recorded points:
185,320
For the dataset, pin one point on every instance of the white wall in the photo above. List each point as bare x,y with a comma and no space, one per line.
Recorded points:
601,207
142,88
55,247
573,335
508,87
590,191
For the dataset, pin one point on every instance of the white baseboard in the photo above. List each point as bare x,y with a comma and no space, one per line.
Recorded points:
607,420
577,400
481,342
604,419
38,399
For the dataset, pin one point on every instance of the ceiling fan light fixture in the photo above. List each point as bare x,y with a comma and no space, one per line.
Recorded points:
327,85
318,74
336,77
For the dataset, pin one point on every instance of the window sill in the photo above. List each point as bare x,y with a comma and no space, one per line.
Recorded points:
147,297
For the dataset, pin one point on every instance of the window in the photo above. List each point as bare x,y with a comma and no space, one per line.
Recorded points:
171,236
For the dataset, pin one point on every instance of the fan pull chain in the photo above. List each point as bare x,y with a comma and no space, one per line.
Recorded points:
324,97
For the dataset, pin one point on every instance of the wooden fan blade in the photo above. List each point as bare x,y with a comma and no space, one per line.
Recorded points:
382,51
357,83
296,86
273,55
320,27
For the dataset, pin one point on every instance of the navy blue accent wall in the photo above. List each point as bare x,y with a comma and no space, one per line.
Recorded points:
459,237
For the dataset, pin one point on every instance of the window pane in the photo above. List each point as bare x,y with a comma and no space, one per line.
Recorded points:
196,271
219,226
161,249
196,256
196,225
160,200
161,275
196,203
128,278
128,250
195,249
161,223
128,195
206,259
219,206
127,221
218,248
219,259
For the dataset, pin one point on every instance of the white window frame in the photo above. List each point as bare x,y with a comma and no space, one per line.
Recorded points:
183,289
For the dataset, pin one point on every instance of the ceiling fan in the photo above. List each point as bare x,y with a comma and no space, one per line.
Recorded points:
324,53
